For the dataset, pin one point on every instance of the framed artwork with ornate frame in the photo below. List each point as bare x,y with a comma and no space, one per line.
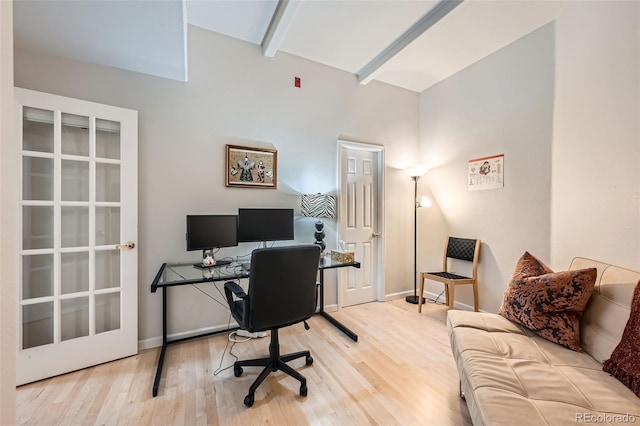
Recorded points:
251,167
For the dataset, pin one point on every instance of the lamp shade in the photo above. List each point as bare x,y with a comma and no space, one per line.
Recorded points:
318,205
417,170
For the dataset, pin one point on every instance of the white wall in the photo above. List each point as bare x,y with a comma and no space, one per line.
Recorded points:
502,104
8,177
563,105
596,134
235,95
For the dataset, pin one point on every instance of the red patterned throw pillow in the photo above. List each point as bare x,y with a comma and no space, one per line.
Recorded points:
624,363
548,303
529,266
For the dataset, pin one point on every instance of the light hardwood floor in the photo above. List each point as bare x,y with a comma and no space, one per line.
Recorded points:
399,372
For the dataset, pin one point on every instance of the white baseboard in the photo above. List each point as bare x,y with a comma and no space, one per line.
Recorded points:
155,342
394,296
458,305
331,308
428,295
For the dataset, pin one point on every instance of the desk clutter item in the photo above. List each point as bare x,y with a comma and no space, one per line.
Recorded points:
342,256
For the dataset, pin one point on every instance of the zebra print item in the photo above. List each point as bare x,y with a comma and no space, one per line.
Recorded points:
318,205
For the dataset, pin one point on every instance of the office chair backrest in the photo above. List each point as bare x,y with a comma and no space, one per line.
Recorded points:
282,285
462,249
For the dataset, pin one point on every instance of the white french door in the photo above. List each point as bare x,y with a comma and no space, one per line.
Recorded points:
360,220
77,291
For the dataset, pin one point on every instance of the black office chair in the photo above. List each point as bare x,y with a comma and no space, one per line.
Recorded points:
282,291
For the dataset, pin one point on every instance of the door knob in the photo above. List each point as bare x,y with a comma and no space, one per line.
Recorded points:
374,234
128,245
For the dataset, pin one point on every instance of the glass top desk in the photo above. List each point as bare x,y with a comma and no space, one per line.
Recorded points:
185,273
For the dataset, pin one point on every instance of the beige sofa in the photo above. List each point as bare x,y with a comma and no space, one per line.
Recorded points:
509,375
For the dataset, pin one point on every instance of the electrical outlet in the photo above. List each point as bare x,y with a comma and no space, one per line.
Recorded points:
254,335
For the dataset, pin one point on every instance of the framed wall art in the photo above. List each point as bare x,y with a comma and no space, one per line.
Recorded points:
251,167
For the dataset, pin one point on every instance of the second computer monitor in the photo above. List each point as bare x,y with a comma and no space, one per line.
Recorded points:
265,225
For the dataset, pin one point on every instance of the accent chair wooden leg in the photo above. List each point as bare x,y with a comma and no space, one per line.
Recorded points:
421,291
446,294
475,296
451,292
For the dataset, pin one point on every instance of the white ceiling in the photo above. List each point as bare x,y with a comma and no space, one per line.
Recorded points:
142,36
150,36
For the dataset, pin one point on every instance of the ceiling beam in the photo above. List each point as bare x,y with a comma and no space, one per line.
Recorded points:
439,11
278,26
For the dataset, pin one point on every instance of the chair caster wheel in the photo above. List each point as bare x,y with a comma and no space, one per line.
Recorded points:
303,390
309,360
248,400
237,371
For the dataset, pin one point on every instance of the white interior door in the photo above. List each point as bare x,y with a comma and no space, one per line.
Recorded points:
77,292
360,219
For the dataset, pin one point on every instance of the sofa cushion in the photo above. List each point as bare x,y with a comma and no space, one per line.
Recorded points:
607,312
624,363
548,303
513,376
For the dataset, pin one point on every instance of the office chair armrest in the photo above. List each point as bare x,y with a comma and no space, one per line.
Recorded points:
317,291
231,288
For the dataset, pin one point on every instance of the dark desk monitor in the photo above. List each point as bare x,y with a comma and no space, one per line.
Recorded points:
265,225
209,232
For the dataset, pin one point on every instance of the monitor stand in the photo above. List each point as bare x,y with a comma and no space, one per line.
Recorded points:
216,263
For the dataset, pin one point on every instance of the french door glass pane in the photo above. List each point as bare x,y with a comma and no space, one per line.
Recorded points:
37,227
75,226
107,225
107,182
75,180
75,134
107,312
37,178
37,325
37,276
107,139
37,130
74,272
74,318
107,269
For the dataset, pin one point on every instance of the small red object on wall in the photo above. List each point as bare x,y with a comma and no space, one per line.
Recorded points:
296,82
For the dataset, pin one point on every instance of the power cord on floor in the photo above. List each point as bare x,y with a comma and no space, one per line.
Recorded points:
220,369
231,337
436,299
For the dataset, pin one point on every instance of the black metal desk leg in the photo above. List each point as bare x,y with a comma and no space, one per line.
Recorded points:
156,382
340,326
328,317
321,290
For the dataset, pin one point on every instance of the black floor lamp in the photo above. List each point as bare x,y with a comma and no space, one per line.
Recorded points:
415,173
